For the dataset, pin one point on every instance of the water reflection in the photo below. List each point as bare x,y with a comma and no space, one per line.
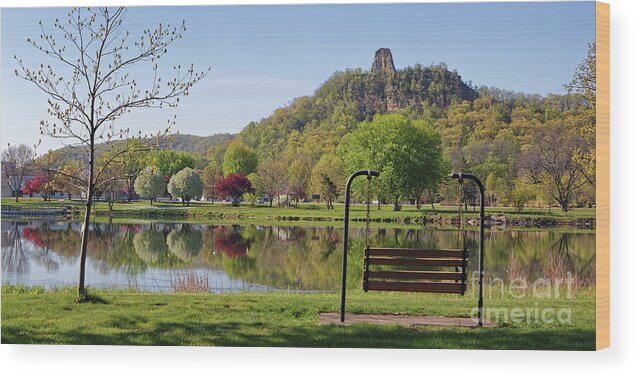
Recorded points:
150,246
13,259
229,241
185,242
262,257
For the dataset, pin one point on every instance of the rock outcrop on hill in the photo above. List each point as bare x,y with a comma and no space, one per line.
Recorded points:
383,62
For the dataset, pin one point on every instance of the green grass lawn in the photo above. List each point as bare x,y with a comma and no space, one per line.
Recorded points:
280,319
305,211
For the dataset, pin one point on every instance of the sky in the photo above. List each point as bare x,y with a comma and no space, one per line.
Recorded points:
261,57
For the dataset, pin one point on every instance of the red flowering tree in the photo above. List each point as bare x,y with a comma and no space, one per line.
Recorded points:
38,185
234,186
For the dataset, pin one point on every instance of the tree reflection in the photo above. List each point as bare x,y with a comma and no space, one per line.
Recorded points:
185,243
42,254
230,241
34,236
14,258
149,245
329,242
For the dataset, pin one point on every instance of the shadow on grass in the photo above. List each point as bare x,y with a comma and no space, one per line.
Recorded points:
94,299
131,331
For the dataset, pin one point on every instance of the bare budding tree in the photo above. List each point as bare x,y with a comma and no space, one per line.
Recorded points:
90,85
16,162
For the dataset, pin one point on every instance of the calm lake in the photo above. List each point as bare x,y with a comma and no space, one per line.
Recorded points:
158,256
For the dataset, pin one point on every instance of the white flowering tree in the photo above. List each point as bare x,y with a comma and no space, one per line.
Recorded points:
149,184
187,184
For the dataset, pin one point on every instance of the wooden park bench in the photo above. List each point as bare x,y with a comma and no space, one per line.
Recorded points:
415,270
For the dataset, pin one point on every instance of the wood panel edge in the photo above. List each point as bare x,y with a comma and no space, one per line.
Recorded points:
602,278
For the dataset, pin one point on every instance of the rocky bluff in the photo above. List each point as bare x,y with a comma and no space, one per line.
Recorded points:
383,62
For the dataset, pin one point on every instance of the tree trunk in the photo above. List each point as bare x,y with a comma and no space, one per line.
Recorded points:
564,204
150,202
396,205
270,202
81,290
432,204
378,203
16,197
82,295
130,190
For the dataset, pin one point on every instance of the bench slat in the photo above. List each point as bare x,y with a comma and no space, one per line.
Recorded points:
415,261
422,253
407,274
437,287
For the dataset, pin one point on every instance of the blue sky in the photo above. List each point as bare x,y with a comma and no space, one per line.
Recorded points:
264,56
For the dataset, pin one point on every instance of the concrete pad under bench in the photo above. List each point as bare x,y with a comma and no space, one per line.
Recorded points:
355,318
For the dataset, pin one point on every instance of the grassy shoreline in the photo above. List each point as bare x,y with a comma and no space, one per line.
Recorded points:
307,212
31,315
